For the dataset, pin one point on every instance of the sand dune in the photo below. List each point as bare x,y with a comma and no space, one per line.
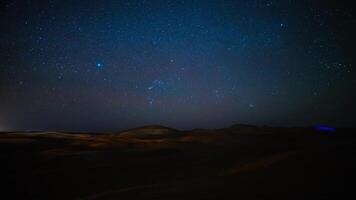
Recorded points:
156,162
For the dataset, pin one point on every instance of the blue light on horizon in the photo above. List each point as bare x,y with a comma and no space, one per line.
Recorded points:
324,128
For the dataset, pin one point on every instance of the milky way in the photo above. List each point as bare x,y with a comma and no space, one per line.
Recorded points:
110,65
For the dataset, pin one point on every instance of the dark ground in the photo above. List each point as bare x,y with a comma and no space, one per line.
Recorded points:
240,162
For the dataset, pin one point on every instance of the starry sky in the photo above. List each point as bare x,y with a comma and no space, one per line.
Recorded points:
111,65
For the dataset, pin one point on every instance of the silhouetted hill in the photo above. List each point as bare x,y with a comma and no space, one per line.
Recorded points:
156,162
148,131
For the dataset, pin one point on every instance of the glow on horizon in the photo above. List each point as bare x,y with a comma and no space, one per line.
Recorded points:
324,128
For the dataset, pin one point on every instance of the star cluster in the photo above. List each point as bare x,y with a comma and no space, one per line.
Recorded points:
110,65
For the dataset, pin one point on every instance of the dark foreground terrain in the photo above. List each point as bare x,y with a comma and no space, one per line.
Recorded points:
154,162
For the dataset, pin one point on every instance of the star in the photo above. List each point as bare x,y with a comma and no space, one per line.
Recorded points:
99,65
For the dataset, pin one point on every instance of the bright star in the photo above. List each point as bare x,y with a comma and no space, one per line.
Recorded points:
99,65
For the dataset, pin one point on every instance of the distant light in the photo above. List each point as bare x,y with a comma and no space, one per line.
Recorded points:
99,65
324,128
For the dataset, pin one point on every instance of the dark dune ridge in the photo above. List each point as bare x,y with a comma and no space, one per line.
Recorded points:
156,162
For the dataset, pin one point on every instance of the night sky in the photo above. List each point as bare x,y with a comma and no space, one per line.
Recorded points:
111,65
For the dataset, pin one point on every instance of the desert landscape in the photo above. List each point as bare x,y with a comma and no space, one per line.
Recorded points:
156,162
177,100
